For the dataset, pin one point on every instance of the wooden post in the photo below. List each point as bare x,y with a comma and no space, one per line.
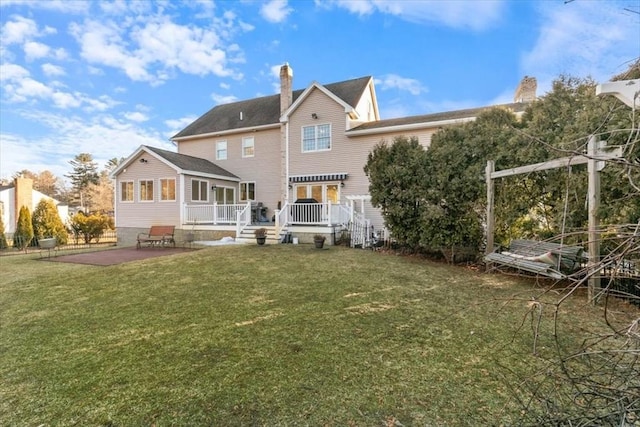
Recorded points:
490,201
594,223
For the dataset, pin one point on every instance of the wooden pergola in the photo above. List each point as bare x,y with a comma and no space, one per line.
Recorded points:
628,91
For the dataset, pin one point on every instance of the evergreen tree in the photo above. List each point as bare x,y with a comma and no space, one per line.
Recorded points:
85,172
397,176
47,222
3,237
24,229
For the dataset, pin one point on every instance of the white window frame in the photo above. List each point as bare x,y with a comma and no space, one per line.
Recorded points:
201,182
247,184
221,150
223,190
133,192
248,147
325,185
141,193
315,138
161,188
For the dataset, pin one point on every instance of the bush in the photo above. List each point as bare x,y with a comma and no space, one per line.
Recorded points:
47,222
90,227
3,237
24,229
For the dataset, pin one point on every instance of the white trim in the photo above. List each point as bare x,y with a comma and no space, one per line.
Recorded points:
240,191
284,118
412,126
175,190
133,191
226,132
153,190
191,199
226,149
315,127
253,146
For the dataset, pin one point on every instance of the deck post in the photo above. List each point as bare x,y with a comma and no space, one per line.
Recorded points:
593,166
490,201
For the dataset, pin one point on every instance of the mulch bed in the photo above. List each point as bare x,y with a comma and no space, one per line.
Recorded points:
116,256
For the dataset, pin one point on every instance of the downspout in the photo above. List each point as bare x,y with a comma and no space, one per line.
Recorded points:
286,150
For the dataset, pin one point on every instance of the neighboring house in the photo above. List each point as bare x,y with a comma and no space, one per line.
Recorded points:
21,193
264,160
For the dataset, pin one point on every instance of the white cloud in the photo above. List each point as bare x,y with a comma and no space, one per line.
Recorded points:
393,81
35,50
71,7
275,11
582,39
18,31
176,125
223,99
103,136
474,15
136,116
52,70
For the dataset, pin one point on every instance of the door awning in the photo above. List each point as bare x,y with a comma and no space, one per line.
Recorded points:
318,177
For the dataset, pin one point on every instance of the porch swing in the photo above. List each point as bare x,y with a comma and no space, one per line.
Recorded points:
557,261
553,260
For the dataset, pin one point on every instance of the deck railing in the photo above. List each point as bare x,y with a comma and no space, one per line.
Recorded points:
212,214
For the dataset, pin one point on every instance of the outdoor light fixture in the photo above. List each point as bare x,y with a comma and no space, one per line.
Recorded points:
341,183
143,160
314,116
213,187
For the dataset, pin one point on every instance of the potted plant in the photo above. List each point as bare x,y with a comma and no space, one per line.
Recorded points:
319,239
261,235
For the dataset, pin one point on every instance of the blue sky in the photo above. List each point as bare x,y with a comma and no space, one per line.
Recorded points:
105,77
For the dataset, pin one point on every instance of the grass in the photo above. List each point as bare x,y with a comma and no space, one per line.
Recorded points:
269,335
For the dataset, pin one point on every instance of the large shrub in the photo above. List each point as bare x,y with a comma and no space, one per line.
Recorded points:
47,222
3,237
90,227
24,229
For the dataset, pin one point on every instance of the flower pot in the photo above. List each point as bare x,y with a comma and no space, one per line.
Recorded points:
319,243
261,239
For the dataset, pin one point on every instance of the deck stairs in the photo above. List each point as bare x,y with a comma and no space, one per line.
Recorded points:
247,236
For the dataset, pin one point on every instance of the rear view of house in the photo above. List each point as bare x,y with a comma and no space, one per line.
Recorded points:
292,162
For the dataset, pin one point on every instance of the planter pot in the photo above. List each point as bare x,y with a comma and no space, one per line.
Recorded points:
261,240
48,243
319,243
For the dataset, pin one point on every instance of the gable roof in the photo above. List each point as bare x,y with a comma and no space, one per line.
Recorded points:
263,111
180,162
435,119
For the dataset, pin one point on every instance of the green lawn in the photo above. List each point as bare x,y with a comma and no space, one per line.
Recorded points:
269,335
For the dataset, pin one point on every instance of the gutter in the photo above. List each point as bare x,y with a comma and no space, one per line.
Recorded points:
411,126
226,132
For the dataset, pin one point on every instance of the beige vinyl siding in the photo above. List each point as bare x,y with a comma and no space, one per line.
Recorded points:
145,214
263,168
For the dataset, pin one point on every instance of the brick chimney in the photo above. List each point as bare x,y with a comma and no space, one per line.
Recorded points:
286,89
23,192
526,91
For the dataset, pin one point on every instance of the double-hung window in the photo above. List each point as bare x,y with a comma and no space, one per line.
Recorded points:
168,189
316,138
221,150
247,191
248,147
146,190
126,191
199,190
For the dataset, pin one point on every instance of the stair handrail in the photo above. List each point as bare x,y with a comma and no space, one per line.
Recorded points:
243,219
281,218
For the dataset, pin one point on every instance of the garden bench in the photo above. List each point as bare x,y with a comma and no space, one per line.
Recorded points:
158,235
544,258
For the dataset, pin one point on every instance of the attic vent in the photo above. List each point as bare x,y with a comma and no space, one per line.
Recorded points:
241,116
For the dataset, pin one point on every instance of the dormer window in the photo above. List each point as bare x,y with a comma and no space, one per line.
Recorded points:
316,138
